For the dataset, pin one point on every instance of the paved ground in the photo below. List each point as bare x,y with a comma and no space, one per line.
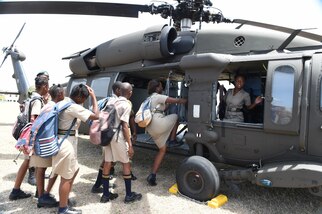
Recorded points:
244,198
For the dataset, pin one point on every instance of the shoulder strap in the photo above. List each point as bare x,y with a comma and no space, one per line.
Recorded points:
67,134
62,108
29,106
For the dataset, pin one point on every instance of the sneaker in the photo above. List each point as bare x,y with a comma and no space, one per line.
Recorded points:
47,201
132,198
70,211
151,181
174,143
112,196
19,195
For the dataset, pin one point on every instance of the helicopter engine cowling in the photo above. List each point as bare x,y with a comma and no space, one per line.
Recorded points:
152,43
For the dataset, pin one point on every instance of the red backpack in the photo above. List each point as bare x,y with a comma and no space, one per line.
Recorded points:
23,140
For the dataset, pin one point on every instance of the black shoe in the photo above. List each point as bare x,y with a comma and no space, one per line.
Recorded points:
151,181
70,211
133,177
50,195
47,201
96,189
19,195
174,143
105,199
133,197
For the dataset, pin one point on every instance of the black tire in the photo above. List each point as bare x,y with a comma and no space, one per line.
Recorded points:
198,178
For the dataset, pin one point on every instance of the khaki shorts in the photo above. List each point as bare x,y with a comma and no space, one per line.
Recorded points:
65,162
117,150
36,161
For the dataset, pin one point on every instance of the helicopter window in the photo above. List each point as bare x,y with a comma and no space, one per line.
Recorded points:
76,82
100,86
282,94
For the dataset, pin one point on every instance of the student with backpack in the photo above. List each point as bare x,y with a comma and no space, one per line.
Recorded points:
34,107
41,164
116,87
120,149
65,162
162,127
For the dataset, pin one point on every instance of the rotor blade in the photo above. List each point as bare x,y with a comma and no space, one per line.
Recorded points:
69,7
17,35
4,59
279,28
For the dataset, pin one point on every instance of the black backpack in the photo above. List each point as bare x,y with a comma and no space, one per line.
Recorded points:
24,118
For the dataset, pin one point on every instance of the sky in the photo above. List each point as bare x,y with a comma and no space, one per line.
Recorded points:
45,39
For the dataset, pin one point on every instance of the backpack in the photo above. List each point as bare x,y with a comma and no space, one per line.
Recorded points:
101,105
44,130
102,131
23,118
23,140
143,116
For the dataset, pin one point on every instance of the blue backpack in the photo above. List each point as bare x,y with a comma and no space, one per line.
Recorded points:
44,131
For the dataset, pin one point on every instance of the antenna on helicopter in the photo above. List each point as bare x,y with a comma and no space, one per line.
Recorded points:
187,12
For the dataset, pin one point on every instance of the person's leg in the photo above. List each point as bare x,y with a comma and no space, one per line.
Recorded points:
64,190
21,173
173,133
127,178
107,195
158,159
156,165
96,188
16,192
40,180
50,184
129,195
172,142
31,176
73,179
44,198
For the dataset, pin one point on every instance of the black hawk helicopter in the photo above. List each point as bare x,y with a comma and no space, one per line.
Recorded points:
278,143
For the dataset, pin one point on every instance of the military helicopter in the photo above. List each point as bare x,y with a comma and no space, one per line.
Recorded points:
278,145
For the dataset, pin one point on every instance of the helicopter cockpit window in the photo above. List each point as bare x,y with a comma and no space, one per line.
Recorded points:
76,82
282,94
100,86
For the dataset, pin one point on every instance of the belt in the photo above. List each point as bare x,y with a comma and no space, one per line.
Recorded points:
63,132
234,109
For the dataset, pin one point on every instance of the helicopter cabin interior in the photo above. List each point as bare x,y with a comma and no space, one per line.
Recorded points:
175,85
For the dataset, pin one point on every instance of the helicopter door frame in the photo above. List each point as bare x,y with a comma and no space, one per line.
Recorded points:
283,96
314,129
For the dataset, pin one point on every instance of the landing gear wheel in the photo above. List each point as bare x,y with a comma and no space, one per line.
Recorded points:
198,178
